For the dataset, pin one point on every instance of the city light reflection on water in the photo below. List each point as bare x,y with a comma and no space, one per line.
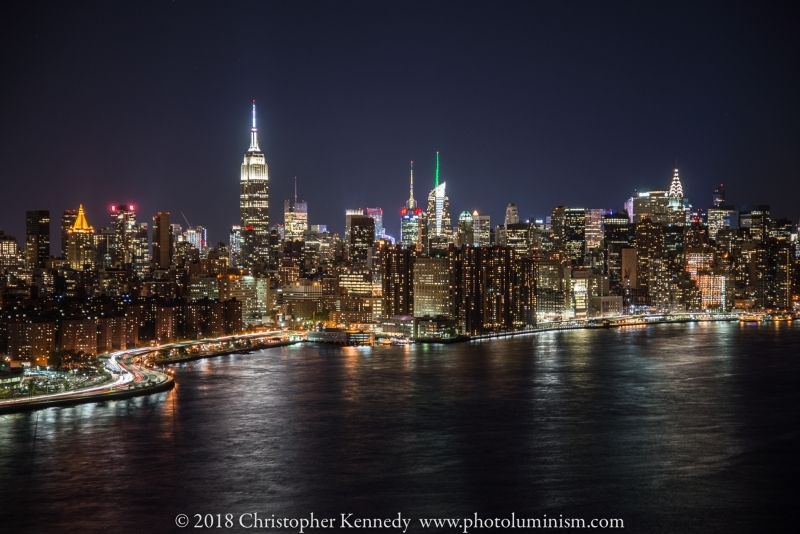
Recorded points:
671,427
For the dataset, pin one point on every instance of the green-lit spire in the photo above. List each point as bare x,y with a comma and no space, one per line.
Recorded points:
437,170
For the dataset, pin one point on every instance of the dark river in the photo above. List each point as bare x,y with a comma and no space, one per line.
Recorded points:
671,428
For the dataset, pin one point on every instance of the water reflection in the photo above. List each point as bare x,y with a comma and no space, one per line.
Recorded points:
657,425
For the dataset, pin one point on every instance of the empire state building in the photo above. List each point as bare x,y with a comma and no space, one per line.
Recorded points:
254,203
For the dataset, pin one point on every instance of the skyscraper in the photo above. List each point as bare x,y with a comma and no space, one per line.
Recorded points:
295,218
594,228
481,230
409,217
140,250
574,231
349,215
653,205
254,201
678,212
235,245
362,237
67,222
464,230
398,281
198,237
432,286
162,241
123,221
618,233
676,192
37,238
376,214
757,219
512,214
80,244
720,215
438,214
719,195
557,225
9,252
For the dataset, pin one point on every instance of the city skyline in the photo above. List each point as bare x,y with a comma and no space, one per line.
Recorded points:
395,216
393,265
599,131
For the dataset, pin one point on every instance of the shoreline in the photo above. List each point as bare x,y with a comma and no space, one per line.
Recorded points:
36,404
40,404
247,350
500,335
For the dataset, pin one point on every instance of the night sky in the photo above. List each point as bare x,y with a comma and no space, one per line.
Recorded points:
540,104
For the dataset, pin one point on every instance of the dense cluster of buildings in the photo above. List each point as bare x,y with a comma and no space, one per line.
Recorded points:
132,283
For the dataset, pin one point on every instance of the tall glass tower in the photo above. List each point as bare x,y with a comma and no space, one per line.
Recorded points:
254,202
438,214
409,217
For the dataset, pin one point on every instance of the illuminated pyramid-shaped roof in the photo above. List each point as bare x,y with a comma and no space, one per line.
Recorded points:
81,224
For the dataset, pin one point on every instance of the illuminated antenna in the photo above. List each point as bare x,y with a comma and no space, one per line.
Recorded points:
411,196
437,169
254,133
295,190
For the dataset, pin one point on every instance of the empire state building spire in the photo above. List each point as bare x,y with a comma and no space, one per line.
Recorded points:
254,133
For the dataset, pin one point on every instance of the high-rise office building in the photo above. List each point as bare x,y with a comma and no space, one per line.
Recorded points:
140,250
464,231
481,230
438,215
594,228
719,195
757,219
409,217
80,244
519,237
362,238
9,252
661,207
198,237
651,205
162,241
512,214
574,231
37,238
397,278
557,225
235,246
104,245
67,222
349,215
618,233
295,219
123,221
376,214
432,286
649,253
719,216
254,202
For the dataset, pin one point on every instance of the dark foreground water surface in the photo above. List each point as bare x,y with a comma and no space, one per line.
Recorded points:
673,428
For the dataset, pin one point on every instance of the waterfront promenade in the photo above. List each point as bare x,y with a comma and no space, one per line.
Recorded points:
139,371
132,374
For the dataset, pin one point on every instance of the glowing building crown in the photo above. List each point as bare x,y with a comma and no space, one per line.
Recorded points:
675,189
